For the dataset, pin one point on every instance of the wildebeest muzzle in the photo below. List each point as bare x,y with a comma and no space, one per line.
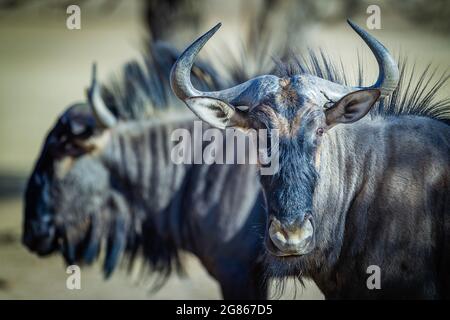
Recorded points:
290,238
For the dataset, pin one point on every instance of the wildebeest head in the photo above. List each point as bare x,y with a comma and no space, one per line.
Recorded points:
70,184
302,108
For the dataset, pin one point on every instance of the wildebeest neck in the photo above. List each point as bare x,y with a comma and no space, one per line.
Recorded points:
138,156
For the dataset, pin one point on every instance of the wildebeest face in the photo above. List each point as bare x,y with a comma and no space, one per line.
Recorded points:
68,184
303,108
69,201
300,123
302,113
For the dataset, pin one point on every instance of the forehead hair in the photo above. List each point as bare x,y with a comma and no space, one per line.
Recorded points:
287,120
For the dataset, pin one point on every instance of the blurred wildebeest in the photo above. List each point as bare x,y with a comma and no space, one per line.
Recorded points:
355,188
105,175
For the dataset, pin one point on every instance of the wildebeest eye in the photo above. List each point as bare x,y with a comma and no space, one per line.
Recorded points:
69,148
319,132
81,130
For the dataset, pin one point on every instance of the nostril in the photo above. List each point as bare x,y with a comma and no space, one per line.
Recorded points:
45,231
39,237
40,230
276,235
279,236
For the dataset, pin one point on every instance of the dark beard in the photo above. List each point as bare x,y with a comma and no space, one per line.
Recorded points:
81,234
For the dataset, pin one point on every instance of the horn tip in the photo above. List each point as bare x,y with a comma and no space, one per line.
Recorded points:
94,72
353,25
215,28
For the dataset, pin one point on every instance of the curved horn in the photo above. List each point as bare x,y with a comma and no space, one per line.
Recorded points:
180,76
388,76
101,112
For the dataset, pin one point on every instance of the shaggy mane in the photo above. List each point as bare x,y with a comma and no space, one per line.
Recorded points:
142,89
417,93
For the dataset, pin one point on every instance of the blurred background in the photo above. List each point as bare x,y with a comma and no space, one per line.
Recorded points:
44,67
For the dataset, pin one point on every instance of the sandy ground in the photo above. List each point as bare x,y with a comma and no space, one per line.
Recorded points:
44,68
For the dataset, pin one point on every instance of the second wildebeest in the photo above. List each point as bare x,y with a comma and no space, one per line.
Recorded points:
105,178
356,188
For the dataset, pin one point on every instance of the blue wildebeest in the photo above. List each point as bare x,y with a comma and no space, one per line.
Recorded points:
355,188
105,178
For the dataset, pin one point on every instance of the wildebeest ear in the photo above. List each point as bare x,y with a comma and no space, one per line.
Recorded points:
218,113
352,107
